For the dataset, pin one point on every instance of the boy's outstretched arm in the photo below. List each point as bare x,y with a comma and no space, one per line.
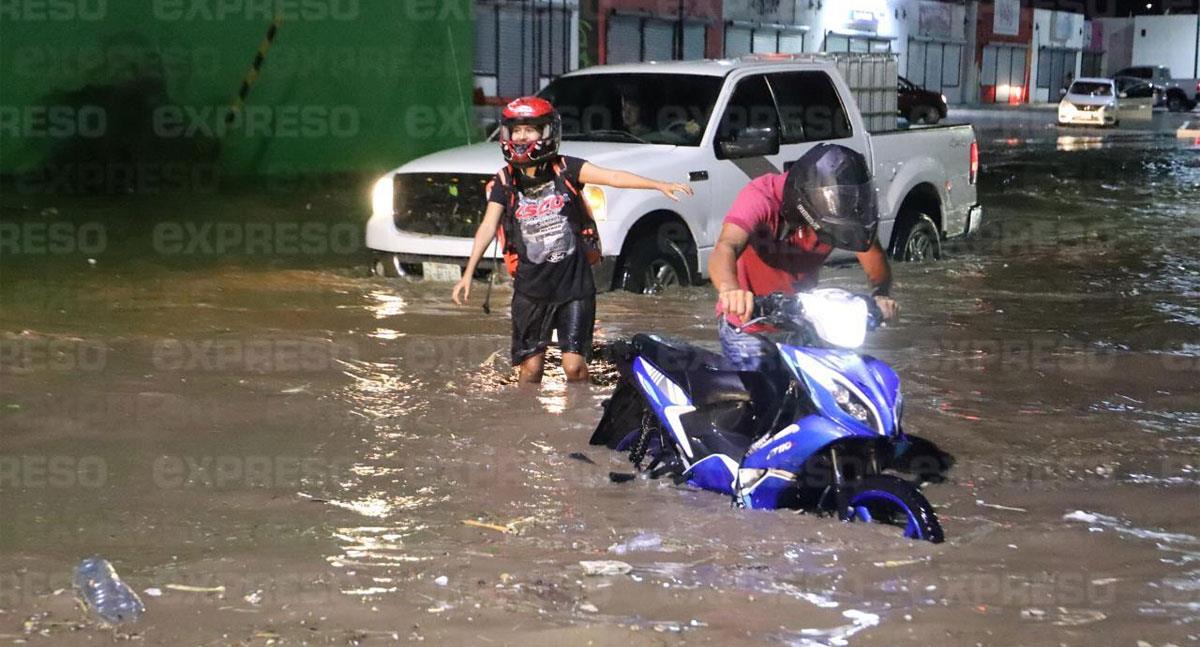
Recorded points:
592,174
483,238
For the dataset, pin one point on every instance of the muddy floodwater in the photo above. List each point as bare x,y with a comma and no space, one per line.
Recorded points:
273,448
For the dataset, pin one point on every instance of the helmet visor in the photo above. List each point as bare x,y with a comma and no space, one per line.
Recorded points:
847,214
543,126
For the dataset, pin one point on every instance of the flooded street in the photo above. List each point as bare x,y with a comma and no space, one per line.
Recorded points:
272,448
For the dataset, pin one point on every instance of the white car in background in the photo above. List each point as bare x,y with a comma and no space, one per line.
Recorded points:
1097,102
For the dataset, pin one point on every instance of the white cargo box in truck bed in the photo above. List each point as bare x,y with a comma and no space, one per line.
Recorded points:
715,124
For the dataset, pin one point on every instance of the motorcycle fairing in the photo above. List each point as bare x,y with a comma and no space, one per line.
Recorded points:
874,383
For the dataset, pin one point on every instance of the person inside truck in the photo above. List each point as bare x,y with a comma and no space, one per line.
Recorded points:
672,127
779,232
631,113
549,237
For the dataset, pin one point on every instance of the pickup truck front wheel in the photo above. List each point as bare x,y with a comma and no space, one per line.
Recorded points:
651,267
387,266
917,239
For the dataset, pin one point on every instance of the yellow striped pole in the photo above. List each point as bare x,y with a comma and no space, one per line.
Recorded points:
252,73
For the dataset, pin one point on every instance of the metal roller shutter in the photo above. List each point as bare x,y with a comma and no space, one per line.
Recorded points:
693,41
737,41
624,39
659,40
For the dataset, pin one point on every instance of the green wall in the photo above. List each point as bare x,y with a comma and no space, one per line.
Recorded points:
348,85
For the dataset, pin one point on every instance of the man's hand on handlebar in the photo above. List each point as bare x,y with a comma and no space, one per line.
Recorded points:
888,308
737,303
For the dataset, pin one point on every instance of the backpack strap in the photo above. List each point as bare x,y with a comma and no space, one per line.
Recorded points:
506,220
560,171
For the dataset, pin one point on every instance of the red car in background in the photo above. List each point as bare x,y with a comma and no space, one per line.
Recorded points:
918,105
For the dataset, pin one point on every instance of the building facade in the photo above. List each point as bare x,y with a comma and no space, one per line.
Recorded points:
1004,32
1056,52
969,51
521,45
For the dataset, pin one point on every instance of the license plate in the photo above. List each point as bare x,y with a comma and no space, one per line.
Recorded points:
441,272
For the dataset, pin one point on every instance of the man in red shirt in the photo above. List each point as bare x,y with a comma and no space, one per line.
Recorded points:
779,232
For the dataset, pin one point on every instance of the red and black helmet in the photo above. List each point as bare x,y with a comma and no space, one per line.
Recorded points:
535,112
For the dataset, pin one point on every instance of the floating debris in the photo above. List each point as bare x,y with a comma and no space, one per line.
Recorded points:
605,567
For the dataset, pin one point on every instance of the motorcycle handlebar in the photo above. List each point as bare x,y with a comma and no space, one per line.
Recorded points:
780,308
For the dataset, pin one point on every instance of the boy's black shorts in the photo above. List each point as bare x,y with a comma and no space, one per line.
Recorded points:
532,322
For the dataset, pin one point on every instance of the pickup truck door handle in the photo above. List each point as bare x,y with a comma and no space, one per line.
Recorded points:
697,176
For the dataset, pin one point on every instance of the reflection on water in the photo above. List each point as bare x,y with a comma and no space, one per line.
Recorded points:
386,305
1071,143
386,334
553,395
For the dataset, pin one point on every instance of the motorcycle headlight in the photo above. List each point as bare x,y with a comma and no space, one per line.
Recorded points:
382,198
853,406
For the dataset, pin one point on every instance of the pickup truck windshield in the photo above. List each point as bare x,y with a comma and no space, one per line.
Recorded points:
1091,89
635,108
1141,72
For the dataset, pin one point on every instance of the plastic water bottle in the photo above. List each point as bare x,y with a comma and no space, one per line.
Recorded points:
641,541
101,589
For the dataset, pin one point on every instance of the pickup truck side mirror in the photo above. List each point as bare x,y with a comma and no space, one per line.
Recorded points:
750,142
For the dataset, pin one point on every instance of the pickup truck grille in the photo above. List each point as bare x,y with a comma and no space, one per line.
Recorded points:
445,204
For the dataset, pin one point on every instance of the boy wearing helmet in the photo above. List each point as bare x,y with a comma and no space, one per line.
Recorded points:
779,232
535,203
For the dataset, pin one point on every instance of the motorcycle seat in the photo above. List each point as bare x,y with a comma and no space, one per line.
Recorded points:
711,379
707,377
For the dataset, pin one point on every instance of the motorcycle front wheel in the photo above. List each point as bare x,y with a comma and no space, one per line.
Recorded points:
892,501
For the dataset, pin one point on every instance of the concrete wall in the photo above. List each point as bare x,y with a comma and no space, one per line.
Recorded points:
1068,36
709,10
1118,43
786,12
840,17
112,86
1166,40
953,30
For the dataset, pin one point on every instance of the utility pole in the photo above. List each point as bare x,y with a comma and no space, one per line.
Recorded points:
969,67
679,34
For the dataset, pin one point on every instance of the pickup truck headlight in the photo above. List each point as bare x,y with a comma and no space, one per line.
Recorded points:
594,197
382,195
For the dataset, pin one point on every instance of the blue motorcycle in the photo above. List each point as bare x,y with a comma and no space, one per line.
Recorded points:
814,429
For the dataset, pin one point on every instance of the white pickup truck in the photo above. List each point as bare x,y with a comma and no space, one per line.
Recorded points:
714,124
1169,91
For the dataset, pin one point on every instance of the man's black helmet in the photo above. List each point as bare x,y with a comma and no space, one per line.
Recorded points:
829,189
